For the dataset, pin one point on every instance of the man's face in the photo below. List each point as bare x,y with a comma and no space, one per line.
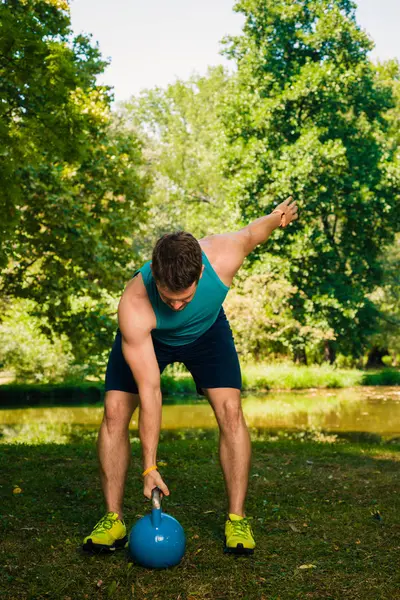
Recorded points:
177,300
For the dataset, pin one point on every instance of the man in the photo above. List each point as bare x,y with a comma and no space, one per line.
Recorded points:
171,311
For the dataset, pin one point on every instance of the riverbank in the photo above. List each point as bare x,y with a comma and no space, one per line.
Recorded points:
265,377
175,382
325,517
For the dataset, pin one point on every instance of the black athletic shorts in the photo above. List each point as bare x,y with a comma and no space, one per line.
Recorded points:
211,359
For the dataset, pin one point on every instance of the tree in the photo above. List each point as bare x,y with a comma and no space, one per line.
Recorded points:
182,136
387,296
71,188
306,115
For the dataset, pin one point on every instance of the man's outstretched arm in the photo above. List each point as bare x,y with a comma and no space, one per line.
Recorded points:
232,248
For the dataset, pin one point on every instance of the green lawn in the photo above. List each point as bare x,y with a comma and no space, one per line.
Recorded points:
312,501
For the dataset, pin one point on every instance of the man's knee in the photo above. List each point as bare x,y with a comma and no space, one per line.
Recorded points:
232,415
118,409
227,407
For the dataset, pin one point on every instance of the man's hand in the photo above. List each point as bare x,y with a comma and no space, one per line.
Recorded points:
152,480
290,210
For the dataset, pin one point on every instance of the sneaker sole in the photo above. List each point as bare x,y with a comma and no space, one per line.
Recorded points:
238,549
90,546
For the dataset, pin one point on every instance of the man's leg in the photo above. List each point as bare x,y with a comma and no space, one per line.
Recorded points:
113,447
234,445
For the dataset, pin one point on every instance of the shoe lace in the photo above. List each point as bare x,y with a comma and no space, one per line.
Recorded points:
104,524
242,527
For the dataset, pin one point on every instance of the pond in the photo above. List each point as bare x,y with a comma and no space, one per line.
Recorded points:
362,409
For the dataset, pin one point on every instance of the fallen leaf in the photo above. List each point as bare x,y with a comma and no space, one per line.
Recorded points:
307,566
17,490
199,550
294,528
112,588
99,583
358,542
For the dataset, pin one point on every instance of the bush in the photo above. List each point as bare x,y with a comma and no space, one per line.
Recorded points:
27,352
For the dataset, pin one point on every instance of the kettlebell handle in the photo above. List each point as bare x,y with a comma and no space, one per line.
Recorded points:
156,498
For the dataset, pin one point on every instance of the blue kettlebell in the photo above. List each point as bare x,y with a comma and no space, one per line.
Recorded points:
157,541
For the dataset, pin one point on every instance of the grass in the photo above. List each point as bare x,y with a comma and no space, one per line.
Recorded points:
286,376
315,500
295,377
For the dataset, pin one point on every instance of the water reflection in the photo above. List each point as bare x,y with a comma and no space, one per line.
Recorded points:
362,409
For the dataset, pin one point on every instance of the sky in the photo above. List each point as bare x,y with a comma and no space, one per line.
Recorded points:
153,42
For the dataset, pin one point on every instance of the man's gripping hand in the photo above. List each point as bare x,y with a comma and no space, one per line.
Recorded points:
152,480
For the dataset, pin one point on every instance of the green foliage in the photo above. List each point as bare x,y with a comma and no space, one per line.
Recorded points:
72,189
73,246
292,377
49,100
307,115
182,137
26,351
387,298
259,311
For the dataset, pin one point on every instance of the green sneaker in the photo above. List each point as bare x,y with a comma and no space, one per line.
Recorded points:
238,535
108,535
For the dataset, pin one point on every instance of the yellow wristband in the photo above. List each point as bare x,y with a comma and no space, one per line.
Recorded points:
148,470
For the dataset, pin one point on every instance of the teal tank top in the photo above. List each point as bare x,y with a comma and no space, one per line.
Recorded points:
177,328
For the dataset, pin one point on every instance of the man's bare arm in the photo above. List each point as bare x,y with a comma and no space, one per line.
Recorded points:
135,323
231,249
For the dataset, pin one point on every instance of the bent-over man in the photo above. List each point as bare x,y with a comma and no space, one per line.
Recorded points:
171,311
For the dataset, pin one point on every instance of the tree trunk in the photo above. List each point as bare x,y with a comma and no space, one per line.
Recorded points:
329,351
300,356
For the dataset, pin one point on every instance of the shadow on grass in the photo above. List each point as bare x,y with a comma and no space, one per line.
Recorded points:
383,377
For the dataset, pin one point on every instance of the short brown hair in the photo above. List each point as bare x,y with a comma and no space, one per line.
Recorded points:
177,261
